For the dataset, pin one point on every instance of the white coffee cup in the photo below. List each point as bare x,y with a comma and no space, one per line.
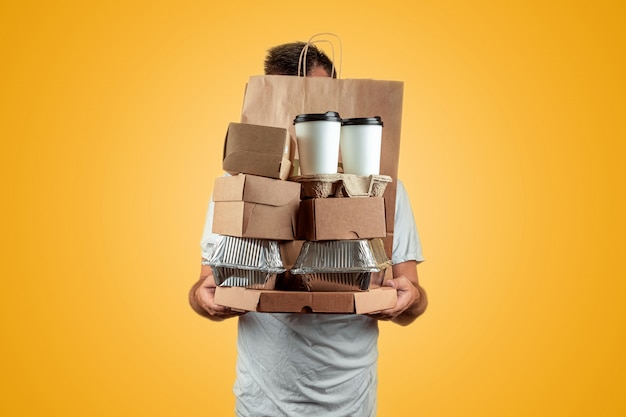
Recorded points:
318,137
361,141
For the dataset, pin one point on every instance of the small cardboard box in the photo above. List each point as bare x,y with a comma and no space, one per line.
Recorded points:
255,207
257,150
245,299
341,218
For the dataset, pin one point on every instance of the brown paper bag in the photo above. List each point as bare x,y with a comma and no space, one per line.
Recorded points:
275,100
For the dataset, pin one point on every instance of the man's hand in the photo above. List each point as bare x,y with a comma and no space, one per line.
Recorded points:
412,301
202,295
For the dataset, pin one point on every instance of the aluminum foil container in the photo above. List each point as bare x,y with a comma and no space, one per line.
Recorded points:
340,265
240,277
246,262
338,281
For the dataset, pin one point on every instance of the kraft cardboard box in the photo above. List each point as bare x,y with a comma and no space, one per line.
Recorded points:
363,302
255,207
289,252
258,150
341,218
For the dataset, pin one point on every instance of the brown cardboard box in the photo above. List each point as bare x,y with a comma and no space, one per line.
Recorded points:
257,150
245,299
255,207
290,251
341,218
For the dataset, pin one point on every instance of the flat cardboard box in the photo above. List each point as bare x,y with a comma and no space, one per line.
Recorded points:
362,302
258,150
255,207
341,218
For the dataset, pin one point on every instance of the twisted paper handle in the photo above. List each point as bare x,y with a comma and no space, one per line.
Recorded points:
305,49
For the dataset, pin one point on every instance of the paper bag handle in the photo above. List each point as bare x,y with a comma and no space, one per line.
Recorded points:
305,49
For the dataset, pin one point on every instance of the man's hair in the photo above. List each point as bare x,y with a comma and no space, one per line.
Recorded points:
283,60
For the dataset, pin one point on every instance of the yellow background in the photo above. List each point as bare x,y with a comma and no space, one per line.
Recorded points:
113,115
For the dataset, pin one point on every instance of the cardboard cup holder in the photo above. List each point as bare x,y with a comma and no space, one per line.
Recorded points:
342,185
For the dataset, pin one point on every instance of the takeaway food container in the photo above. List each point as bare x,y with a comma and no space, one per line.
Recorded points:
340,265
246,262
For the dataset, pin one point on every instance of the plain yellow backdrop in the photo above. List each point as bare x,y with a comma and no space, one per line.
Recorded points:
112,120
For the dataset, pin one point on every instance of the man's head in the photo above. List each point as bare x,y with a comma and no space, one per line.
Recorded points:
283,60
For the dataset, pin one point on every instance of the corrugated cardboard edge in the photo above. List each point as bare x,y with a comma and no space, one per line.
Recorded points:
244,299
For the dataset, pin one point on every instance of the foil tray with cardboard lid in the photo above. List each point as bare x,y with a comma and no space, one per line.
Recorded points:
246,262
340,265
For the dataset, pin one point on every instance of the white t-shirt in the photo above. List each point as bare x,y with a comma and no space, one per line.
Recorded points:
313,364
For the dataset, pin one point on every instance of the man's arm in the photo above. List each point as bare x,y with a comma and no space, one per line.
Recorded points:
412,300
201,298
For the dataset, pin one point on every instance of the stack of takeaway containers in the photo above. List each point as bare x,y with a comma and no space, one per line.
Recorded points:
254,207
342,222
294,236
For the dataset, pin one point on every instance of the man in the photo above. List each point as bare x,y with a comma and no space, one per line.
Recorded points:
314,364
